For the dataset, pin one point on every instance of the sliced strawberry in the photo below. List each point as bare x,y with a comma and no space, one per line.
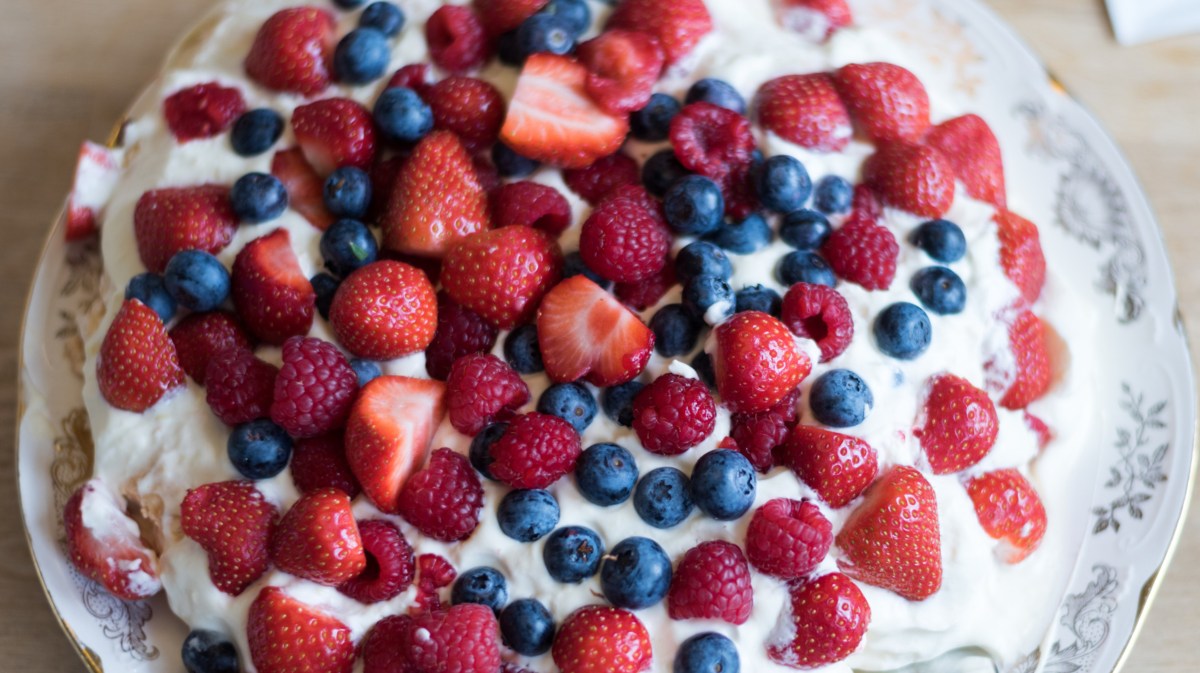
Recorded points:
384,310
678,25
756,362
104,543
503,274
829,616
335,132
1021,254
623,66
806,110
304,187
501,16
584,332
914,178
886,102
815,19
1009,510
960,424
969,145
838,467
318,540
269,290
293,51
96,174
171,220
1027,376
232,522
471,108
202,111
200,337
289,636
137,363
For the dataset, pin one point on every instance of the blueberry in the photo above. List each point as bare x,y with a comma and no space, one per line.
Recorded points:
572,402
365,370
694,205
325,286
833,194
783,184
800,266
710,298
402,116
758,298
209,652
606,474
527,627
259,449
942,240
509,164
196,280
522,351
572,554
544,33
347,245
150,289
573,265
255,132
804,229
361,56
707,653
703,365
940,290
718,92
481,448
749,235
840,399
702,258
258,197
636,574
383,17
527,516
348,192
663,498
349,4
652,123
675,330
618,401
661,171
574,14
723,484
902,330
483,585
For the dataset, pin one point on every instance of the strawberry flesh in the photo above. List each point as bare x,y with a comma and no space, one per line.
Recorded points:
584,332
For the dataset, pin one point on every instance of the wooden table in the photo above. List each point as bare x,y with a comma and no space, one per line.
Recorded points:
70,67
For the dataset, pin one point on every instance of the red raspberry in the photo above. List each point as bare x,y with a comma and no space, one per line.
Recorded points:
863,253
710,140
315,388
489,177
471,108
712,581
240,386
433,573
647,292
535,451
462,639
443,500
819,313
673,414
788,538
320,462
460,331
838,467
390,565
531,204
480,390
457,40
202,111
757,435
624,241
737,187
866,205
415,76
199,337
596,181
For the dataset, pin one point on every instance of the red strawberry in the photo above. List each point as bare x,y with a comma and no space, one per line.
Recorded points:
1021,254
712,581
1009,510
137,363
829,617
469,107
232,522
678,25
1040,430
595,182
914,178
815,19
624,241
886,102
460,332
503,274
456,38
531,204
623,66
552,119
806,110
501,16
314,389
960,424
602,639
969,145
862,252
306,189
415,76
711,140
482,389
535,451
288,636
838,467
673,414
892,539
335,132
788,538
200,337
202,111
320,462
96,172
584,332
171,220
819,313
384,310
390,565
443,500
756,362
273,298
317,539
1030,373
388,433
240,386
293,51
462,639
105,545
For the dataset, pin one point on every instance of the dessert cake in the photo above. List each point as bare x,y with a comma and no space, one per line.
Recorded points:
537,335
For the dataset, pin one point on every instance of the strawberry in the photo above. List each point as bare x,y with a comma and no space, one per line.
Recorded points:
232,522
602,639
911,177
503,274
972,150
886,102
584,332
712,581
174,219
293,51
437,199
815,19
200,337
960,424
829,616
388,433
806,110
756,362
273,298
306,189
678,25
105,545
96,172
551,118
202,111
470,108
462,639
1030,359
384,310
288,636
318,540
1021,254
501,16
892,539
1040,430
137,363
335,132
838,467
1009,510
444,499
623,66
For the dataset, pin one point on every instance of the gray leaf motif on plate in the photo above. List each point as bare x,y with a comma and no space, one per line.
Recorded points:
1087,617
1139,470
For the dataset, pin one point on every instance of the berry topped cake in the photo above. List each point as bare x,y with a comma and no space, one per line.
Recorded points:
553,335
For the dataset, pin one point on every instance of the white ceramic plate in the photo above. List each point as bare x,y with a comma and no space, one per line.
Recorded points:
1103,239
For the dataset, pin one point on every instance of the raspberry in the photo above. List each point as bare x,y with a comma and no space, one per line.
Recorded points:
379,651
865,205
739,192
202,111
535,451
709,139
390,565
320,462
315,388
461,639
623,241
673,414
480,390
597,180
757,435
863,253
489,175
471,108
460,331
531,204
443,500
199,337
712,581
433,573
646,292
788,538
456,38
415,76
819,313
240,386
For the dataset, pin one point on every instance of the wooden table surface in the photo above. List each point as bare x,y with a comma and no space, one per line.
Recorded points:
68,68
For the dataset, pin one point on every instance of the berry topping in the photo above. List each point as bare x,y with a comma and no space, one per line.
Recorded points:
815,19
712,581
694,205
202,111
306,190
362,56
805,110
1009,510
433,573
348,245
594,182
320,462
200,337
584,332
289,636
1031,361
723,484
942,240
635,574
233,523
819,313
105,545
711,140
838,467
471,108
572,402
256,132
384,311
678,25
480,390
644,293
653,121
527,516
257,198
782,183
293,51
788,538
270,292
314,389
573,554
502,274
863,253
335,132
840,399
528,628
971,148
462,639
673,414
960,424
209,652
624,241
833,194
606,474
482,586
460,331
911,177
886,102
829,617
757,434
171,220
676,330
137,364
623,66
402,115
940,290
443,500
456,37
531,204
902,330
535,451
756,362
239,387
97,170
501,16
390,567
663,497
317,539
1021,254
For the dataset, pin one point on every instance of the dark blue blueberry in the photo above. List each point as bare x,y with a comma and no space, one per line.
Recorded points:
940,290
572,402
573,265
527,516
361,56
481,449
617,401
703,365
483,585
759,298
804,229
527,627
942,240
255,132
702,258
742,238
574,14
833,194
723,484
800,266
209,652
840,399
259,449
349,4
150,289
606,474
521,349
707,653
662,498
348,192
902,330
365,370
675,330
509,164
402,116
718,92
572,554
694,205
258,197
325,286
661,171
509,49
544,33
196,280
636,573
383,17
653,122
710,298
783,184
347,245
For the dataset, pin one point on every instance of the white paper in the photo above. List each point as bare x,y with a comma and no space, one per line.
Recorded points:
1136,21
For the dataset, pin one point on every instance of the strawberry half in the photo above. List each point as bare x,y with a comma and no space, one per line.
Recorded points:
202,111
622,68
318,540
829,616
96,172
584,332
335,132
602,639
171,220
293,51
232,522
138,363
886,102
1021,254
838,467
384,310
1031,370
756,362
678,24
914,178
969,145
502,274
814,19
960,424
1009,510
501,16
306,189
289,636
272,297
104,544
806,110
